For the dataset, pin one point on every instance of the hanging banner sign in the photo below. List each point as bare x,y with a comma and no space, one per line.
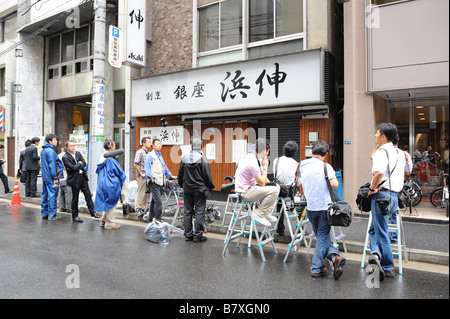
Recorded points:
136,27
99,104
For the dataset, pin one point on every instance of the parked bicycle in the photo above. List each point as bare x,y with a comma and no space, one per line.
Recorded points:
440,196
413,192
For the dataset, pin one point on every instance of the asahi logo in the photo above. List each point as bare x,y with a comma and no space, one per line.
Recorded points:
135,57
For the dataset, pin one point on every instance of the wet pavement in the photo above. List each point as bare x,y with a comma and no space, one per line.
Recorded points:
39,259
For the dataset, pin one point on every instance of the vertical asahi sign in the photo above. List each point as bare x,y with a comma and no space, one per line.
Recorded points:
136,27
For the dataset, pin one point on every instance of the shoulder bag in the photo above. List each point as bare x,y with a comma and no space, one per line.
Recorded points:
285,190
339,213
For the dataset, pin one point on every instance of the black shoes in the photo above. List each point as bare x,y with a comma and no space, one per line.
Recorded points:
200,239
94,215
77,219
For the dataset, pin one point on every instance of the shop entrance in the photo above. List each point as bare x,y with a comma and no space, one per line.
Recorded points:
423,129
71,116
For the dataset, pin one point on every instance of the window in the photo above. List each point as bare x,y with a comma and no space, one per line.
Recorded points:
70,52
220,25
82,40
275,18
54,50
67,46
380,2
2,81
271,26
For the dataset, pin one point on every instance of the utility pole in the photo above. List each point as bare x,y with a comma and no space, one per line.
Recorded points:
96,129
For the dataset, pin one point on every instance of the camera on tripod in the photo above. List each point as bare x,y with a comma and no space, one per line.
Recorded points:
383,205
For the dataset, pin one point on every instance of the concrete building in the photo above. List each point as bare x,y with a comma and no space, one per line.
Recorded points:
236,70
396,70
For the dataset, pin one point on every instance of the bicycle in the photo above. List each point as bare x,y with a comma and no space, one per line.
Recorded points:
412,193
440,196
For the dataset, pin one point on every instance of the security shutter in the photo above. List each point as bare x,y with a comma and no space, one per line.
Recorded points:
288,129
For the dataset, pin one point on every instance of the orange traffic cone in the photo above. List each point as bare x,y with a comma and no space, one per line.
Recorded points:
16,197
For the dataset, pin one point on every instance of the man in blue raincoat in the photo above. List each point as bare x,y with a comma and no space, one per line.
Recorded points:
109,186
52,168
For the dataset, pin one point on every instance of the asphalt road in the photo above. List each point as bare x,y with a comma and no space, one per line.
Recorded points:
65,260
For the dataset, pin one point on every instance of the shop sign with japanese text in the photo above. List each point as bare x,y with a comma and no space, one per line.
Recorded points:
136,33
170,135
293,79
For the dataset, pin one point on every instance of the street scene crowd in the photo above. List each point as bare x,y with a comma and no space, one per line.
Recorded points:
64,176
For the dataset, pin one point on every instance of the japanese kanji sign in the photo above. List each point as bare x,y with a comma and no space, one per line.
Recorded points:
293,79
171,135
136,28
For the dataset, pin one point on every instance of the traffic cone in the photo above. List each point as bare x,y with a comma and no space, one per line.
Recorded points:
16,196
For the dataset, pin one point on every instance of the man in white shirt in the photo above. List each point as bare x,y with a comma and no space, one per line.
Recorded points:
251,180
284,171
388,176
315,187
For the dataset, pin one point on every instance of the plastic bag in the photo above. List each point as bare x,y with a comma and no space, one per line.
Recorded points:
130,197
157,232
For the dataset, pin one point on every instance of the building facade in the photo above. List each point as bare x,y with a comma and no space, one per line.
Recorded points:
396,70
232,71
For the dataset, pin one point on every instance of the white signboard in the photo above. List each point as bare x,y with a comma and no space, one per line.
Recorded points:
115,47
136,27
294,79
171,135
99,105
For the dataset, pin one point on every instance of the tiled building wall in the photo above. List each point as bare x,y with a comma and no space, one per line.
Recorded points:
171,46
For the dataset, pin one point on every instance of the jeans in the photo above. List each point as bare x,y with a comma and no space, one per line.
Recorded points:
324,246
194,207
49,199
156,204
380,242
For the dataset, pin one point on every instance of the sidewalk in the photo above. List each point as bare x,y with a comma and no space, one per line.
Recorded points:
426,241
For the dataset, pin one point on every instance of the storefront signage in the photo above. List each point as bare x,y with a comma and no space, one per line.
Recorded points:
170,135
294,79
136,27
115,47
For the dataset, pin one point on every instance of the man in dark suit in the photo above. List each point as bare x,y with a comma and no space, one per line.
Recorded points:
31,161
3,177
78,180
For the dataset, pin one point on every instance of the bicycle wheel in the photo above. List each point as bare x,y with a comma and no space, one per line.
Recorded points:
437,197
417,200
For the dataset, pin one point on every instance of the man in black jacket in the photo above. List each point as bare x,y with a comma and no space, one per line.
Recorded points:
78,180
194,176
3,177
32,163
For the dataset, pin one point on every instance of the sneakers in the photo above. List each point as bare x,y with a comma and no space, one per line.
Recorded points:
271,218
112,226
261,220
374,260
54,218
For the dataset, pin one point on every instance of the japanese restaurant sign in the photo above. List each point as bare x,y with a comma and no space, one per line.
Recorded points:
293,79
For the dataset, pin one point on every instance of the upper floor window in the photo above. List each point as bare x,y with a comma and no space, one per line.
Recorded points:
70,52
270,19
220,25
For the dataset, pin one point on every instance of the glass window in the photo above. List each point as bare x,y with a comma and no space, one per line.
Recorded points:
54,48
209,28
261,20
231,23
289,17
275,18
379,2
220,25
67,46
2,81
82,40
